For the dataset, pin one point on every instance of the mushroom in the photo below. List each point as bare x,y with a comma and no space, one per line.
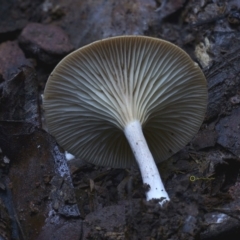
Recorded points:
124,100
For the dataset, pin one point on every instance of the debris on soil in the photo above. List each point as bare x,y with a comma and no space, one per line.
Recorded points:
19,97
11,59
5,222
32,162
228,129
47,43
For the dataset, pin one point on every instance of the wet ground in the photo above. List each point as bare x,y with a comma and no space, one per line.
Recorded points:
44,197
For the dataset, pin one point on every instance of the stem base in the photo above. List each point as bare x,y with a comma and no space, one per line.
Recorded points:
146,163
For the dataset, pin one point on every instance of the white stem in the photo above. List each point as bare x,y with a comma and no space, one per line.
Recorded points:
146,163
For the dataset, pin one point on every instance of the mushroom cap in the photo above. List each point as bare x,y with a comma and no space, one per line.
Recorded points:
95,91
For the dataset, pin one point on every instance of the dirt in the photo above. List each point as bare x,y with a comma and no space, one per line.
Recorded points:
42,196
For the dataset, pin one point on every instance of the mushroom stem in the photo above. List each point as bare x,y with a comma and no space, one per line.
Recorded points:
146,163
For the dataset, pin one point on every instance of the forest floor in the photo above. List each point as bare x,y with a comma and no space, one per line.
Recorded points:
42,196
